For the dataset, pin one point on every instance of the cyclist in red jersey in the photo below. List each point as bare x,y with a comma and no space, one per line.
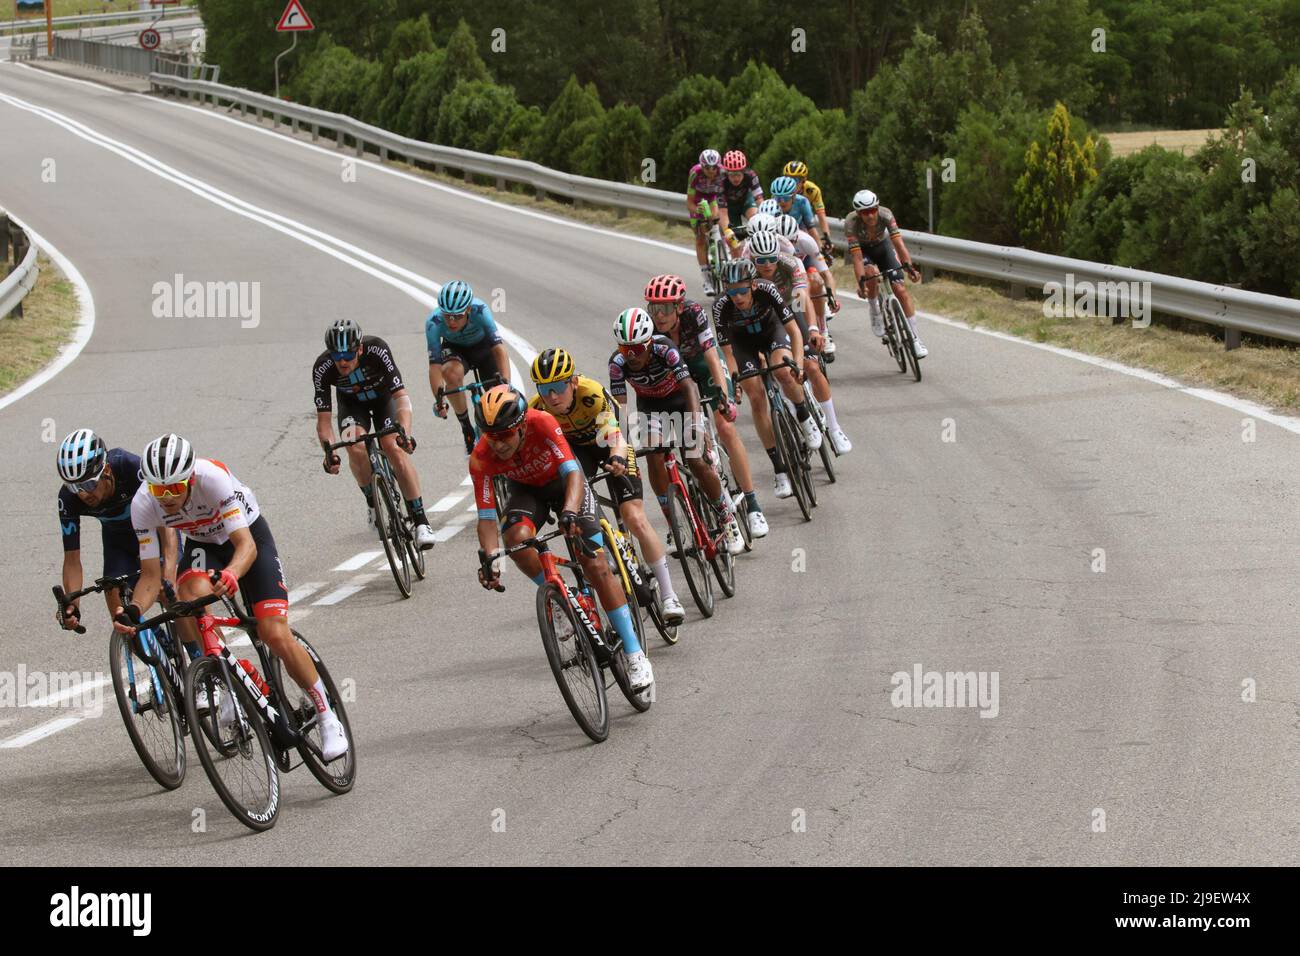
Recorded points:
528,447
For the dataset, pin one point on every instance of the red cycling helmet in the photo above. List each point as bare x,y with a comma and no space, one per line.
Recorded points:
665,288
734,161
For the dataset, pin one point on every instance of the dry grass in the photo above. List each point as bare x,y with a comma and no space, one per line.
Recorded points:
1185,141
49,318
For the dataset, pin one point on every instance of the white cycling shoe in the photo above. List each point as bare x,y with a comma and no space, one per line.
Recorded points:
812,433
840,442
333,740
371,524
674,613
757,524
731,531
782,487
921,350
639,672
423,537
829,347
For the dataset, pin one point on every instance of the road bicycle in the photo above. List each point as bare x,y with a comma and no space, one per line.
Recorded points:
476,389
899,338
639,583
696,533
722,465
148,672
245,727
396,528
715,246
791,450
827,451
581,645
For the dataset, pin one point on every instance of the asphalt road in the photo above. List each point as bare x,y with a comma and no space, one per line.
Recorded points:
1119,691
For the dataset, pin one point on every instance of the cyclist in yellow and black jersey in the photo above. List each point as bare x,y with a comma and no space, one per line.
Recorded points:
588,415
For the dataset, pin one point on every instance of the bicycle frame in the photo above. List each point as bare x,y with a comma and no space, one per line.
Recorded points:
702,539
584,605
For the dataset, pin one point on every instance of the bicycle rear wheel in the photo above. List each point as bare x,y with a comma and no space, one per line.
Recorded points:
827,450
388,521
573,662
893,334
693,565
724,564
787,445
149,710
340,774
907,339
242,764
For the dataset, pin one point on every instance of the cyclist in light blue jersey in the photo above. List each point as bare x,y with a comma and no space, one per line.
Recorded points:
462,335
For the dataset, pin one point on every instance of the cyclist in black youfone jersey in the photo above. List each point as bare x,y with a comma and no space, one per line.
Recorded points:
760,329
372,397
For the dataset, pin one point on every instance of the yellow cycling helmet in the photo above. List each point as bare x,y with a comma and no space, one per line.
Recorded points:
501,409
553,365
796,168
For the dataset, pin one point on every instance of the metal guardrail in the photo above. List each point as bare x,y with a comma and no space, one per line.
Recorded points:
15,286
106,56
1233,309
89,18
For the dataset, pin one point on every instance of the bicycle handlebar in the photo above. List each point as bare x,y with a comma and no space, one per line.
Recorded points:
367,437
767,371
480,386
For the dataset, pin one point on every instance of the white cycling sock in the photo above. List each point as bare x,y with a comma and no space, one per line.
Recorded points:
828,407
319,698
660,568
874,306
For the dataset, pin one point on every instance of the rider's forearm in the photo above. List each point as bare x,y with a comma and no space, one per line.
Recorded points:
72,579
904,257
488,539
148,586
435,378
503,361
402,406
245,552
575,485
170,553
796,341
715,370
324,428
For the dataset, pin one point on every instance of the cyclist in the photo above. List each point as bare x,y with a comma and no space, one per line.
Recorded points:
663,386
787,274
588,415
759,326
785,189
225,532
797,170
872,232
741,190
99,482
704,183
820,280
528,447
371,396
685,323
462,335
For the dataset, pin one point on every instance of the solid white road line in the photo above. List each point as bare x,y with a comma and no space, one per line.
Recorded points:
69,692
358,561
41,731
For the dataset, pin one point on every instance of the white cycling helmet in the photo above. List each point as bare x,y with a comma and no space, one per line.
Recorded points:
634,327
167,459
82,457
769,207
787,226
865,199
763,244
762,223
710,157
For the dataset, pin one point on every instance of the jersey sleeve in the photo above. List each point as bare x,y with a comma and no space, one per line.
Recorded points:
617,383
69,520
490,330
607,427
230,497
144,519
392,375
485,498
323,377
814,194
673,359
433,338
755,187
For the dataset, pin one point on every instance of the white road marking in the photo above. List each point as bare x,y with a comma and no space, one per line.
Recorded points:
69,692
446,504
41,731
346,591
301,592
358,561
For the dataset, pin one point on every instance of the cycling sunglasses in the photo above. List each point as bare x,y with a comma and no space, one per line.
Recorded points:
505,437
736,290
343,356
456,315
87,485
764,261
640,349
662,308
175,490
552,388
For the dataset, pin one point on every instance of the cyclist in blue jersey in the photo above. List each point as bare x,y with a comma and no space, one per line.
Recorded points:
462,335
99,482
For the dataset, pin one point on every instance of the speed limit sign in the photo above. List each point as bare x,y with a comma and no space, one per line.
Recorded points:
150,38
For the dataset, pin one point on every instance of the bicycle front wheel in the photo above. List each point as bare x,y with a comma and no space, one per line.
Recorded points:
693,564
893,334
724,564
149,710
233,745
338,775
787,443
906,339
388,521
573,662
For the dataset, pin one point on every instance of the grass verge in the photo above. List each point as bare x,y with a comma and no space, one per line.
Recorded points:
49,319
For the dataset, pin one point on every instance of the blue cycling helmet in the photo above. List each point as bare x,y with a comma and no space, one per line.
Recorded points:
82,456
784,187
455,296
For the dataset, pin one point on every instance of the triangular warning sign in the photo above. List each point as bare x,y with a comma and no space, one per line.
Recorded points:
294,18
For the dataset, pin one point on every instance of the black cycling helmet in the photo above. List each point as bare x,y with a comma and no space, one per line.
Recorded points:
737,270
343,336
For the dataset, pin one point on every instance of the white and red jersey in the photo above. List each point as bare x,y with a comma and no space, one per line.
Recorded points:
218,504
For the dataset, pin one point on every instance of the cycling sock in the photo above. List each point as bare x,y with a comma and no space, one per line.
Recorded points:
723,505
621,618
415,508
539,579
828,407
463,418
776,460
368,492
660,569
751,499
802,411
318,697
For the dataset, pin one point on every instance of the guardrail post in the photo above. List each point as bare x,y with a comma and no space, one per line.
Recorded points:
467,176
315,132
4,238
539,193
622,212
383,153
1231,339
361,145
501,183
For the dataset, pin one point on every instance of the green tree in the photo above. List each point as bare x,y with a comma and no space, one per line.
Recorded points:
524,125
988,153
1058,168
619,145
475,116
575,115
691,95
769,108
692,135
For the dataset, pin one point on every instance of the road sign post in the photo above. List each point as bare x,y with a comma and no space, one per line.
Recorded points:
294,20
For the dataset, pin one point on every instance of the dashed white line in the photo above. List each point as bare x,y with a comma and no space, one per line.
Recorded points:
357,561
450,501
41,731
302,592
346,591
68,693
